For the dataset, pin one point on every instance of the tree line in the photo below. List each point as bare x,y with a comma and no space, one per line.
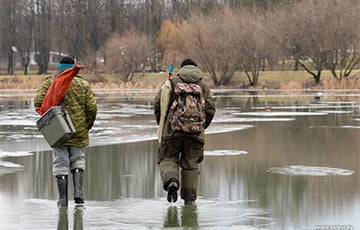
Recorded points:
224,36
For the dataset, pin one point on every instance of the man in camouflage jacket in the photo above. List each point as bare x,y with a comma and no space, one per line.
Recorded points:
179,150
81,105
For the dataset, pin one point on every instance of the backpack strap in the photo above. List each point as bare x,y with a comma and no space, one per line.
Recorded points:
177,79
174,80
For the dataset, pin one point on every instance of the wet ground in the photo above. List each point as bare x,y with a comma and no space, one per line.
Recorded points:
295,166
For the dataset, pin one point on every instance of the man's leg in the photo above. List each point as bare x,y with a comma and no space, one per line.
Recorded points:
77,166
191,158
189,181
60,170
168,160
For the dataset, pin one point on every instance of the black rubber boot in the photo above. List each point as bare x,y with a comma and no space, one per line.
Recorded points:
62,183
172,192
78,175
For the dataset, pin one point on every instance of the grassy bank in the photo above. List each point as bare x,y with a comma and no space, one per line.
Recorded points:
289,80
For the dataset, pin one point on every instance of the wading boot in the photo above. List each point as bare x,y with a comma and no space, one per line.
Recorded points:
78,175
62,183
172,192
189,180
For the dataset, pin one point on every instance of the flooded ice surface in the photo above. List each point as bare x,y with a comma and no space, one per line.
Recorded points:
224,152
135,214
303,170
10,167
14,154
274,114
129,122
262,169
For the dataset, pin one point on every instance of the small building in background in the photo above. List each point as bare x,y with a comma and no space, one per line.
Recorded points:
53,60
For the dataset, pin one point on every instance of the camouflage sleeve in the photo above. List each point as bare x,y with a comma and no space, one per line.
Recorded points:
91,108
209,106
42,92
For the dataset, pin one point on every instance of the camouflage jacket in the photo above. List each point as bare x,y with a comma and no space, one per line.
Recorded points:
81,105
190,74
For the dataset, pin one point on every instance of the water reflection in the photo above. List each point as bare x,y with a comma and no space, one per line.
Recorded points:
294,167
63,222
63,219
188,217
78,217
172,219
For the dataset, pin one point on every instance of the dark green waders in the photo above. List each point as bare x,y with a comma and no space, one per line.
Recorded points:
189,181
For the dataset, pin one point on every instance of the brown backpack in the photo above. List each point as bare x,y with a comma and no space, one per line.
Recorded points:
187,112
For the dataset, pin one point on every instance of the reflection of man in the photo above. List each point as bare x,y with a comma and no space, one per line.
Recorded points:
63,222
181,149
78,218
189,217
171,219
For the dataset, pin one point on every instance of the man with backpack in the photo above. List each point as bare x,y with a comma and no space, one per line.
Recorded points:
190,109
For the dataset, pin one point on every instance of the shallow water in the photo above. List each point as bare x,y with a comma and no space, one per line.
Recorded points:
294,167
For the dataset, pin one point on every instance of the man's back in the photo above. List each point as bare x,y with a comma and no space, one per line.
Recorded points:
81,105
190,74
80,102
182,150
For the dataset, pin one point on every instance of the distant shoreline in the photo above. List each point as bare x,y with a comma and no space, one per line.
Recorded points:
268,80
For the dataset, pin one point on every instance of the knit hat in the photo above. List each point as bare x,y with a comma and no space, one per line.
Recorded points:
188,61
67,60
65,63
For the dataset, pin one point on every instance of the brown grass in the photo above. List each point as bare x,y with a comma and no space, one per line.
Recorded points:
20,82
285,80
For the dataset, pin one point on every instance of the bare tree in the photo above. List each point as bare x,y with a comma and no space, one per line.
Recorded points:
342,38
320,37
208,40
42,37
97,29
24,35
168,41
115,14
18,32
318,34
59,26
74,33
251,43
127,54
273,39
8,27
